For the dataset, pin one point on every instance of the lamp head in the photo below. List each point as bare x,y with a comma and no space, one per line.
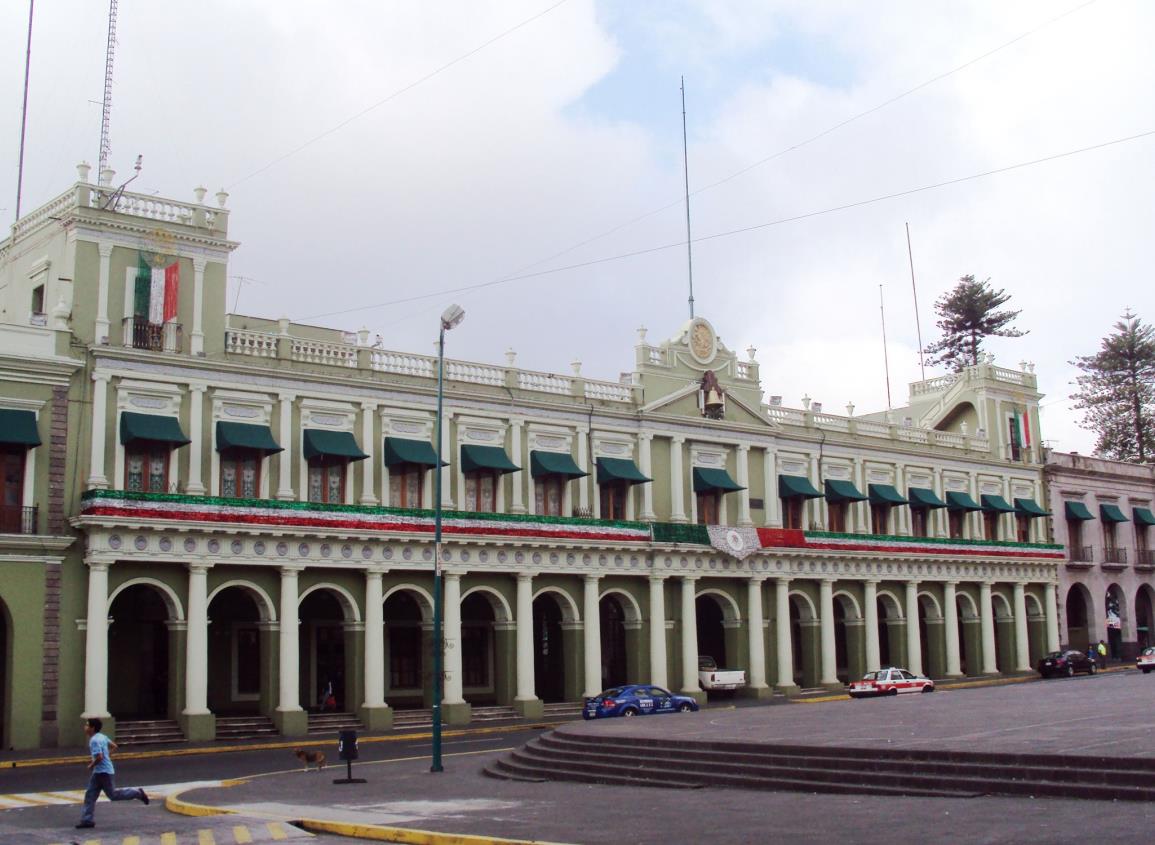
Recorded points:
452,316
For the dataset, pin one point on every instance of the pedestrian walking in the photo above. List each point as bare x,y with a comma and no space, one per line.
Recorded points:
100,750
1102,655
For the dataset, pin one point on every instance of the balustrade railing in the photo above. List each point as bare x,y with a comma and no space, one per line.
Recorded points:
156,337
320,352
256,344
402,364
1117,556
544,382
474,373
609,391
15,519
1082,554
1145,558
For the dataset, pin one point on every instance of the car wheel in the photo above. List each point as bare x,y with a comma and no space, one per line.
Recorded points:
684,707
1070,671
892,691
928,688
1093,669
1145,671
629,711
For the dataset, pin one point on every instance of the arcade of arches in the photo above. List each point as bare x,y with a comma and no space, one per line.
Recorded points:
1125,623
363,639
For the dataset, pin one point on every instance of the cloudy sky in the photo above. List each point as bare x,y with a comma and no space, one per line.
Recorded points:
558,143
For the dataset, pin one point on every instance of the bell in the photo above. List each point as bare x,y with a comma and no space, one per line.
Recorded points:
714,399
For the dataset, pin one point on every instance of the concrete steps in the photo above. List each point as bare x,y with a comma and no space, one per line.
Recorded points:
594,758
148,732
496,713
333,723
563,710
412,719
245,727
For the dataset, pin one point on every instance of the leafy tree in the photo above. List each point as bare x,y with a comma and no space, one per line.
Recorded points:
967,314
1117,392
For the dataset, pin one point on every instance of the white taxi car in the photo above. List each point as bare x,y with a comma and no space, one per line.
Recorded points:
1146,660
890,681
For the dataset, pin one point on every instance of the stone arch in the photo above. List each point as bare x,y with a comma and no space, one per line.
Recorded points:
1115,601
892,604
630,605
931,635
344,598
422,597
1036,628
167,594
1004,625
891,629
565,603
969,633
265,606
408,646
930,602
1144,616
730,611
807,612
967,606
1034,605
619,626
804,639
501,609
1078,617
850,605
849,642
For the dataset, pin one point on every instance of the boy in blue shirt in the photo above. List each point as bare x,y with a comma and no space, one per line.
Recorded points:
100,750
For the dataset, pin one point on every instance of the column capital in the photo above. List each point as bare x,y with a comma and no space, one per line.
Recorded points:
688,579
291,570
874,581
950,583
198,388
757,578
199,568
678,439
526,577
105,249
592,579
913,582
646,436
199,264
369,406
784,580
828,581
287,397
743,447
376,570
517,422
97,565
101,376
659,578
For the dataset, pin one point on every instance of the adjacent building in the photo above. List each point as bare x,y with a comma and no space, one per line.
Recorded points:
214,518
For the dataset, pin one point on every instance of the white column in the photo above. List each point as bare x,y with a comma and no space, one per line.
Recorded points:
452,637
1051,611
870,615
368,446
677,491
592,635
938,516
525,683
96,644
105,251
1022,644
374,640
196,683
861,509
689,636
197,336
583,484
987,619
755,633
913,642
950,624
901,512
814,506
517,505
771,503
782,634
646,466
290,641
658,631
288,442
826,608
451,460
96,476
743,479
196,407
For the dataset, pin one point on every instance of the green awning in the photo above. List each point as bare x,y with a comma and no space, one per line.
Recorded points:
996,503
332,444
1143,516
134,427
18,428
924,497
1029,507
885,494
474,458
231,435
794,486
619,469
842,491
1077,510
1111,513
707,479
399,450
554,463
957,501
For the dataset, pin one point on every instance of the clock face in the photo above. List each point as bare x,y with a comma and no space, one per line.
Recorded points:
703,341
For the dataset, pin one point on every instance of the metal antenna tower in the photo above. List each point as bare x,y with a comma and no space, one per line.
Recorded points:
106,112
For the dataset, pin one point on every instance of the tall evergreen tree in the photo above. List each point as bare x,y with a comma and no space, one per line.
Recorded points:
1117,392
967,314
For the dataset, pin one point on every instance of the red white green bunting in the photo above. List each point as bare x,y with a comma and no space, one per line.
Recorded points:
820,541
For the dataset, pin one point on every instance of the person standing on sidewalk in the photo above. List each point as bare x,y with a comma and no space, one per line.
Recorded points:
100,750
1102,655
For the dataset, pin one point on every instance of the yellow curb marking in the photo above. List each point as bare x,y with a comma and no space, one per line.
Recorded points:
241,834
131,840
34,802
168,838
276,830
274,746
205,837
91,842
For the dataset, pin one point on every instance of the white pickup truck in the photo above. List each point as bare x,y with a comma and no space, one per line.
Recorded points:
711,678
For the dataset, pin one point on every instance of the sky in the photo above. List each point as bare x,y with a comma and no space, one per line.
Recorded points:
374,152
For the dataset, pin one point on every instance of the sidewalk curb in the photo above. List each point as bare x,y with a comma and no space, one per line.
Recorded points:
378,833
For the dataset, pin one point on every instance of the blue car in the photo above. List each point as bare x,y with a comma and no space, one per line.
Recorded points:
637,700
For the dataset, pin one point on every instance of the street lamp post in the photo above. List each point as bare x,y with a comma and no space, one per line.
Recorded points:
451,317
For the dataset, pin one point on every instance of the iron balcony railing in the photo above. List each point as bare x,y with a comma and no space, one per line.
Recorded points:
1082,554
139,333
1114,555
15,519
1145,557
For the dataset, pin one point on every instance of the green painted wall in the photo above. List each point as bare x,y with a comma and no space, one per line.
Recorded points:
22,594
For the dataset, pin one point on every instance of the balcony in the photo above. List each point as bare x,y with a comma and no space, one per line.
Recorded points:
17,520
155,337
1145,559
1081,556
1114,558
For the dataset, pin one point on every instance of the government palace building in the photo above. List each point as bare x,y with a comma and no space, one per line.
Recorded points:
216,525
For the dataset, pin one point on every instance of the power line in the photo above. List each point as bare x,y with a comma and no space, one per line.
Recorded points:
397,94
743,230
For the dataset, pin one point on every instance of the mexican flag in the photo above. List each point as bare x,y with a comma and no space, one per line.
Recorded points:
157,289
1021,429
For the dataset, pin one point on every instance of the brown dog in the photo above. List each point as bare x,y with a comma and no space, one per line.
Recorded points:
315,758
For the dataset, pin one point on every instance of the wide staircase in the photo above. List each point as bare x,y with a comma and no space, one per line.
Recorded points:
333,723
628,761
148,732
561,711
245,727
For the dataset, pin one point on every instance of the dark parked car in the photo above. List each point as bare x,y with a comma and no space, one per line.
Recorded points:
1066,663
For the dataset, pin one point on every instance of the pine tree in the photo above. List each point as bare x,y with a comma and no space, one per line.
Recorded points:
1117,392
967,314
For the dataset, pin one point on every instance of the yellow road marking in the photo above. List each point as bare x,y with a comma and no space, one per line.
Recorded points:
241,834
205,837
168,838
25,799
91,842
131,840
76,796
276,830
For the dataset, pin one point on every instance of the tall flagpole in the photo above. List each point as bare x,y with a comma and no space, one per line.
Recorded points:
885,356
24,111
686,175
917,323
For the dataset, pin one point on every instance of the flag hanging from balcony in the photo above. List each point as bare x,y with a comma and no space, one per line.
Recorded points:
157,288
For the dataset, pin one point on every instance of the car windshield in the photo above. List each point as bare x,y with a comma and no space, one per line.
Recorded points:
611,693
1149,650
1055,654
870,676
